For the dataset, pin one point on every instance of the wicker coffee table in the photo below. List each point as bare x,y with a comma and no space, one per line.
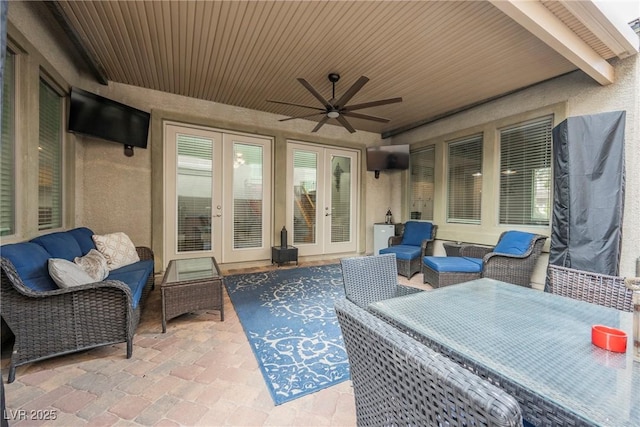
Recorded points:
190,285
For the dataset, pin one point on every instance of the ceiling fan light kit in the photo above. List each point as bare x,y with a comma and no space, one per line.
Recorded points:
338,108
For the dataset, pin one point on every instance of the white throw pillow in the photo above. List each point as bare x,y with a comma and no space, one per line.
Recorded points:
67,274
117,248
94,264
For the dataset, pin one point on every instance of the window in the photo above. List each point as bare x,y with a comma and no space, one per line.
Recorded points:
464,185
50,159
525,173
421,184
7,150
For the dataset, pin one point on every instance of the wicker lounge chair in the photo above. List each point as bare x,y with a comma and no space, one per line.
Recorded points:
608,291
415,241
372,278
512,260
399,381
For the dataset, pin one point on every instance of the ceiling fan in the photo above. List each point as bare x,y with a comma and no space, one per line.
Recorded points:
338,108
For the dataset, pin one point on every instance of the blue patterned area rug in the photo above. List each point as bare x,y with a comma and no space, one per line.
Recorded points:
290,322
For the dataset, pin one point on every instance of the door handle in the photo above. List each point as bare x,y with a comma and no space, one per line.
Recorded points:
327,214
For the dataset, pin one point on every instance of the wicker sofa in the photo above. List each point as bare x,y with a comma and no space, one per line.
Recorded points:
49,321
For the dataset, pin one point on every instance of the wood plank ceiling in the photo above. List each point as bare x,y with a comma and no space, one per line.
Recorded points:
438,56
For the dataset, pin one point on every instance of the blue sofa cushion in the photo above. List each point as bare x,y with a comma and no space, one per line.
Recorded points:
135,276
415,232
59,245
514,243
445,264
83,236
404,252
31,262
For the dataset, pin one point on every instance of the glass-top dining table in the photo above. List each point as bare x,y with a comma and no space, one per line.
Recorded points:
535,345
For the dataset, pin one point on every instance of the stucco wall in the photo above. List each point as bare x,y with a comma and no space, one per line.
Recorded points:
581,95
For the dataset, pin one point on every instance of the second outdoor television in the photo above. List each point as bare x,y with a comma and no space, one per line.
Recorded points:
387,157
103,118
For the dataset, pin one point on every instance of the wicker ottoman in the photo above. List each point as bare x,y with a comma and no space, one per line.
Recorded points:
407,258
444,271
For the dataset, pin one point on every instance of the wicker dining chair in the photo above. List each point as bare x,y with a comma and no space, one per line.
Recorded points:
399,381
372,278
601,289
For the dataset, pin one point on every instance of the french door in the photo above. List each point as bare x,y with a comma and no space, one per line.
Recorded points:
217,194
322,198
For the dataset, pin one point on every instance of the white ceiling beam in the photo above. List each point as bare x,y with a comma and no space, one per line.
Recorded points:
617,36
539,21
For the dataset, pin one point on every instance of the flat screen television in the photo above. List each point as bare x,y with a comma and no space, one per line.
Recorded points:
94,115
387,157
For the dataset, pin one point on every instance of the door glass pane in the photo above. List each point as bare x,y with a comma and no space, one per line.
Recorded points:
194,188
305,173
340,199
247,195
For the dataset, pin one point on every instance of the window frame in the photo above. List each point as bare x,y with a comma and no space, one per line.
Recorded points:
51,84
470,139
537,124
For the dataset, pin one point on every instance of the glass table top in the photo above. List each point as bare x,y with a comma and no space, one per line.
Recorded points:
540,341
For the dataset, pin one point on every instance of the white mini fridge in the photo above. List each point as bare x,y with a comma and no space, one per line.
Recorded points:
381,234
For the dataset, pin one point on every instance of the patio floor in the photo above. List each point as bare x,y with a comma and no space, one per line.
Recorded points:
201,372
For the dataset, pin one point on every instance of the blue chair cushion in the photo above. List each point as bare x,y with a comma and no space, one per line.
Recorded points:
59,245
31,262
443,264
514,243
415,232
84,237
135,276
404,252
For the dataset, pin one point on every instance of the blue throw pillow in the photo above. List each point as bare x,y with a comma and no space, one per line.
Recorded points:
415,232
514,243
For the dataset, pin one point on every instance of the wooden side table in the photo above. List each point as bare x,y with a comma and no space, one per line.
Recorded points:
190,285
281,254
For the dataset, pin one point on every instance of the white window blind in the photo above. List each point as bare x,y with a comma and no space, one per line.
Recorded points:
247,195
7,151
340,199
525,173
194,187
421,184
305,182
464,184
50,159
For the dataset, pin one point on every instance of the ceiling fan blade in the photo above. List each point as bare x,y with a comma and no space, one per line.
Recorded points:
301,117
320,123
372,104
295,105
352,91
364,116
315,93
345,123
